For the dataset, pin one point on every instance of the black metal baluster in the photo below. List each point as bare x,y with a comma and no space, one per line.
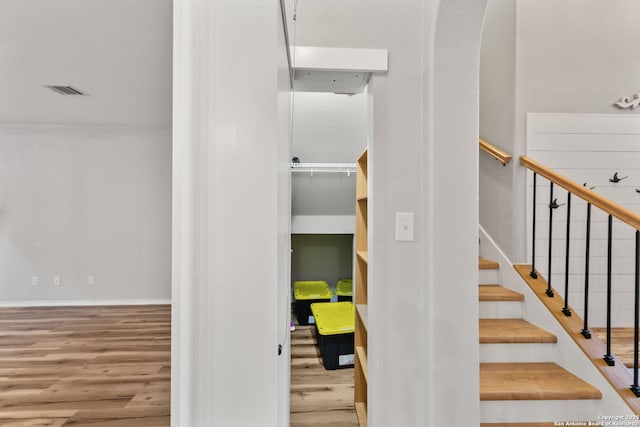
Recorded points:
533,273
566,310
634,388
585,330
549,291
608,357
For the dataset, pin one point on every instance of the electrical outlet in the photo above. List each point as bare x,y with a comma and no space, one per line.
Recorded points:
91,280
34,280
56,281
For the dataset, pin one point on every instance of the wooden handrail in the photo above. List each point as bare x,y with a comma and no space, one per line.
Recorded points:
495,152
610,207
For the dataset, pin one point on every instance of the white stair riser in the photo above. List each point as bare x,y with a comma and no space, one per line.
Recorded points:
505,353
566,354
488,277
541,410
501,309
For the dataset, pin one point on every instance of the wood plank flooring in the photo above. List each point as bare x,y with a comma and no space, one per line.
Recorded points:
318,397
85,366
621,343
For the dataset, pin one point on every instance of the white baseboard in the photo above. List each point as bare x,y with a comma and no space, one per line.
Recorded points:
82,303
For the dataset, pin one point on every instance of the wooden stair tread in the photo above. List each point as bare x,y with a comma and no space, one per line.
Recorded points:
532,381
509,331
498,293
485,264
618,376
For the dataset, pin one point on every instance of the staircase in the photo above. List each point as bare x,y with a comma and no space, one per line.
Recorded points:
519,378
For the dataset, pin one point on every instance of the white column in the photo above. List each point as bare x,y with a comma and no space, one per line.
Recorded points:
451,197
230,214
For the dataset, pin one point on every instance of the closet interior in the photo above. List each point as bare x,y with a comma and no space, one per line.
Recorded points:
329,135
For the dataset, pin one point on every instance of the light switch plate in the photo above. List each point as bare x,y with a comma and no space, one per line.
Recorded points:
404,226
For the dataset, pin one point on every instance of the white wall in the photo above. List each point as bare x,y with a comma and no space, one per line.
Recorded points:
396,389
564,62
85,201
587,148
497,112
324,193
327,128
425,121
231,215
327,257
570,62
452,213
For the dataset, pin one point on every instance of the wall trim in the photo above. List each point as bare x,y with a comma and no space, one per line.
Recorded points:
323,224
83,303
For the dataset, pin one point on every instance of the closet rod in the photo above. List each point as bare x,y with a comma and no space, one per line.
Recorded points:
347,168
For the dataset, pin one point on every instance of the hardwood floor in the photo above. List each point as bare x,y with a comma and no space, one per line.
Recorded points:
85,366
621,343
318,397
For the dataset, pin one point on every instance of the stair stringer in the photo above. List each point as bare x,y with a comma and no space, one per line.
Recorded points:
566,353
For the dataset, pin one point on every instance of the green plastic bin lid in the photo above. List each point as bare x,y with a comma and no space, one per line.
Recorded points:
344,288
314,289
333,318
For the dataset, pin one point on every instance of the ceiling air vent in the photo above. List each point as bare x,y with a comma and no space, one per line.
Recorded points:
65,90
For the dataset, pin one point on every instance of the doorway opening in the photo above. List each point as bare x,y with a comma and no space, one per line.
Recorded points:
329,134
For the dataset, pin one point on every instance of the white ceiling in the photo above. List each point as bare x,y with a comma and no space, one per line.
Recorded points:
120,53
117,51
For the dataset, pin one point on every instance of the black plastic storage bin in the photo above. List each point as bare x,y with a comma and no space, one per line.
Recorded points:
344,290
335,322
307,293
